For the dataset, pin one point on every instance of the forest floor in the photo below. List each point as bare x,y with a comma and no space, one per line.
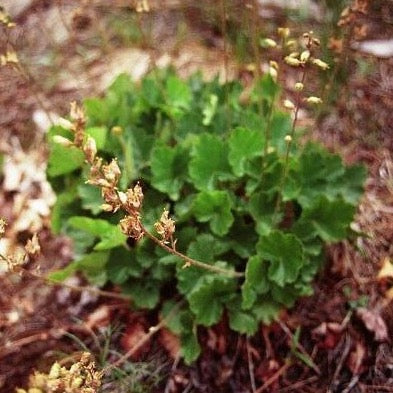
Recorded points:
69,52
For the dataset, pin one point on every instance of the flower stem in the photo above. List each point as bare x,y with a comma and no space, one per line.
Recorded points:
191,261
288,149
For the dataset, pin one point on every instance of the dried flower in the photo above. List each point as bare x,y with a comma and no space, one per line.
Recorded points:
3,224
133,198
111,197
131,226
165,227
82,377
112,172
78,117
32,246
90,149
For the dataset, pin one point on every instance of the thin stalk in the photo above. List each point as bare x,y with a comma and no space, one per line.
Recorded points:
224,32
268,125
288,150
75,288
191,261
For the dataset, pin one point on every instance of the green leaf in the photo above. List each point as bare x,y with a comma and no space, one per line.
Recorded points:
214,207
62,160
208,297
285,253
110,235
92,265
256,282
243,146
239,320
209,110
178,93
320,173
91,198
99,134
122,265
267,88
143,294
206,248
261,207
169,169
328,219
266,310
209,162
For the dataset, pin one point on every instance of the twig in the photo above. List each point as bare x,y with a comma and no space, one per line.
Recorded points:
299,346
96,291
250,366
152,331
299,384
274,377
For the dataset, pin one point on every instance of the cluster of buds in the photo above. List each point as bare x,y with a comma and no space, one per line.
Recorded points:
131,202
81,377
165,227
300,59
77,127
20,257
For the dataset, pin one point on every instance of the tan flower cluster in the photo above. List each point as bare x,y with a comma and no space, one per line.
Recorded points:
81,377
165,227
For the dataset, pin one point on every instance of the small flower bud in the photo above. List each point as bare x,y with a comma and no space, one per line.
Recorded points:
321,64
165,227
273,73
291,44
314,100
106,207
304,56
299,86
288,104
273,64
117,130
283,32
90,149
268,43
62,141
32,246
288,138
77,382
293,62
55,370
131,226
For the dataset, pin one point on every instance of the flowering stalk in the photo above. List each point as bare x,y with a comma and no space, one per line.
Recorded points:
107,176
